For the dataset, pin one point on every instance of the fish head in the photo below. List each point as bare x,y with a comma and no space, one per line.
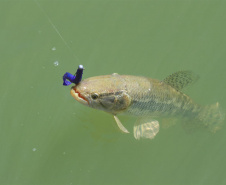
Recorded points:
107,93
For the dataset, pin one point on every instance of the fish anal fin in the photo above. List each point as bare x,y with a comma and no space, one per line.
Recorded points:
120,125
181,79
146,129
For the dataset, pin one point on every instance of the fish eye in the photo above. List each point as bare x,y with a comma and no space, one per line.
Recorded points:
94,96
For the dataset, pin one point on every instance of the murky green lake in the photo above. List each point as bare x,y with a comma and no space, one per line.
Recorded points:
47,138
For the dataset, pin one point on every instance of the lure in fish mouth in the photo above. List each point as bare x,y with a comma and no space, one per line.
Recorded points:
146,98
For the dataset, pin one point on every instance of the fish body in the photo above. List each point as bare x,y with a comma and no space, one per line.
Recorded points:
155,98
142,97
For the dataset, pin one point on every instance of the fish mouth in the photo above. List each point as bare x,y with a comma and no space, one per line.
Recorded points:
77,95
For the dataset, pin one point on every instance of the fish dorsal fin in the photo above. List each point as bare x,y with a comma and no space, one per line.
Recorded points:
181,79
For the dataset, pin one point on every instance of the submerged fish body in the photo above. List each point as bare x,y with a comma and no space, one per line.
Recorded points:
155,98
145,98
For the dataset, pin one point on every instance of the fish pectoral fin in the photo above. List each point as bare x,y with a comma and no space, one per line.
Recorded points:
181,79
122,128
147,129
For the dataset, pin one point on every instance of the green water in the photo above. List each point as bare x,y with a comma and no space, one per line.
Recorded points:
47,138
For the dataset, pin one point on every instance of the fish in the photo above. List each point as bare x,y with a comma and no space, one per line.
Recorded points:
147,99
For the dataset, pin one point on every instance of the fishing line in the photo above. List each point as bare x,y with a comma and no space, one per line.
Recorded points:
56,30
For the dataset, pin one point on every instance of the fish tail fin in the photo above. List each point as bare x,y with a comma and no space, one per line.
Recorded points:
212,117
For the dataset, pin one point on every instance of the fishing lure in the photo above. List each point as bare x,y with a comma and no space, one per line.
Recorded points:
73,78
